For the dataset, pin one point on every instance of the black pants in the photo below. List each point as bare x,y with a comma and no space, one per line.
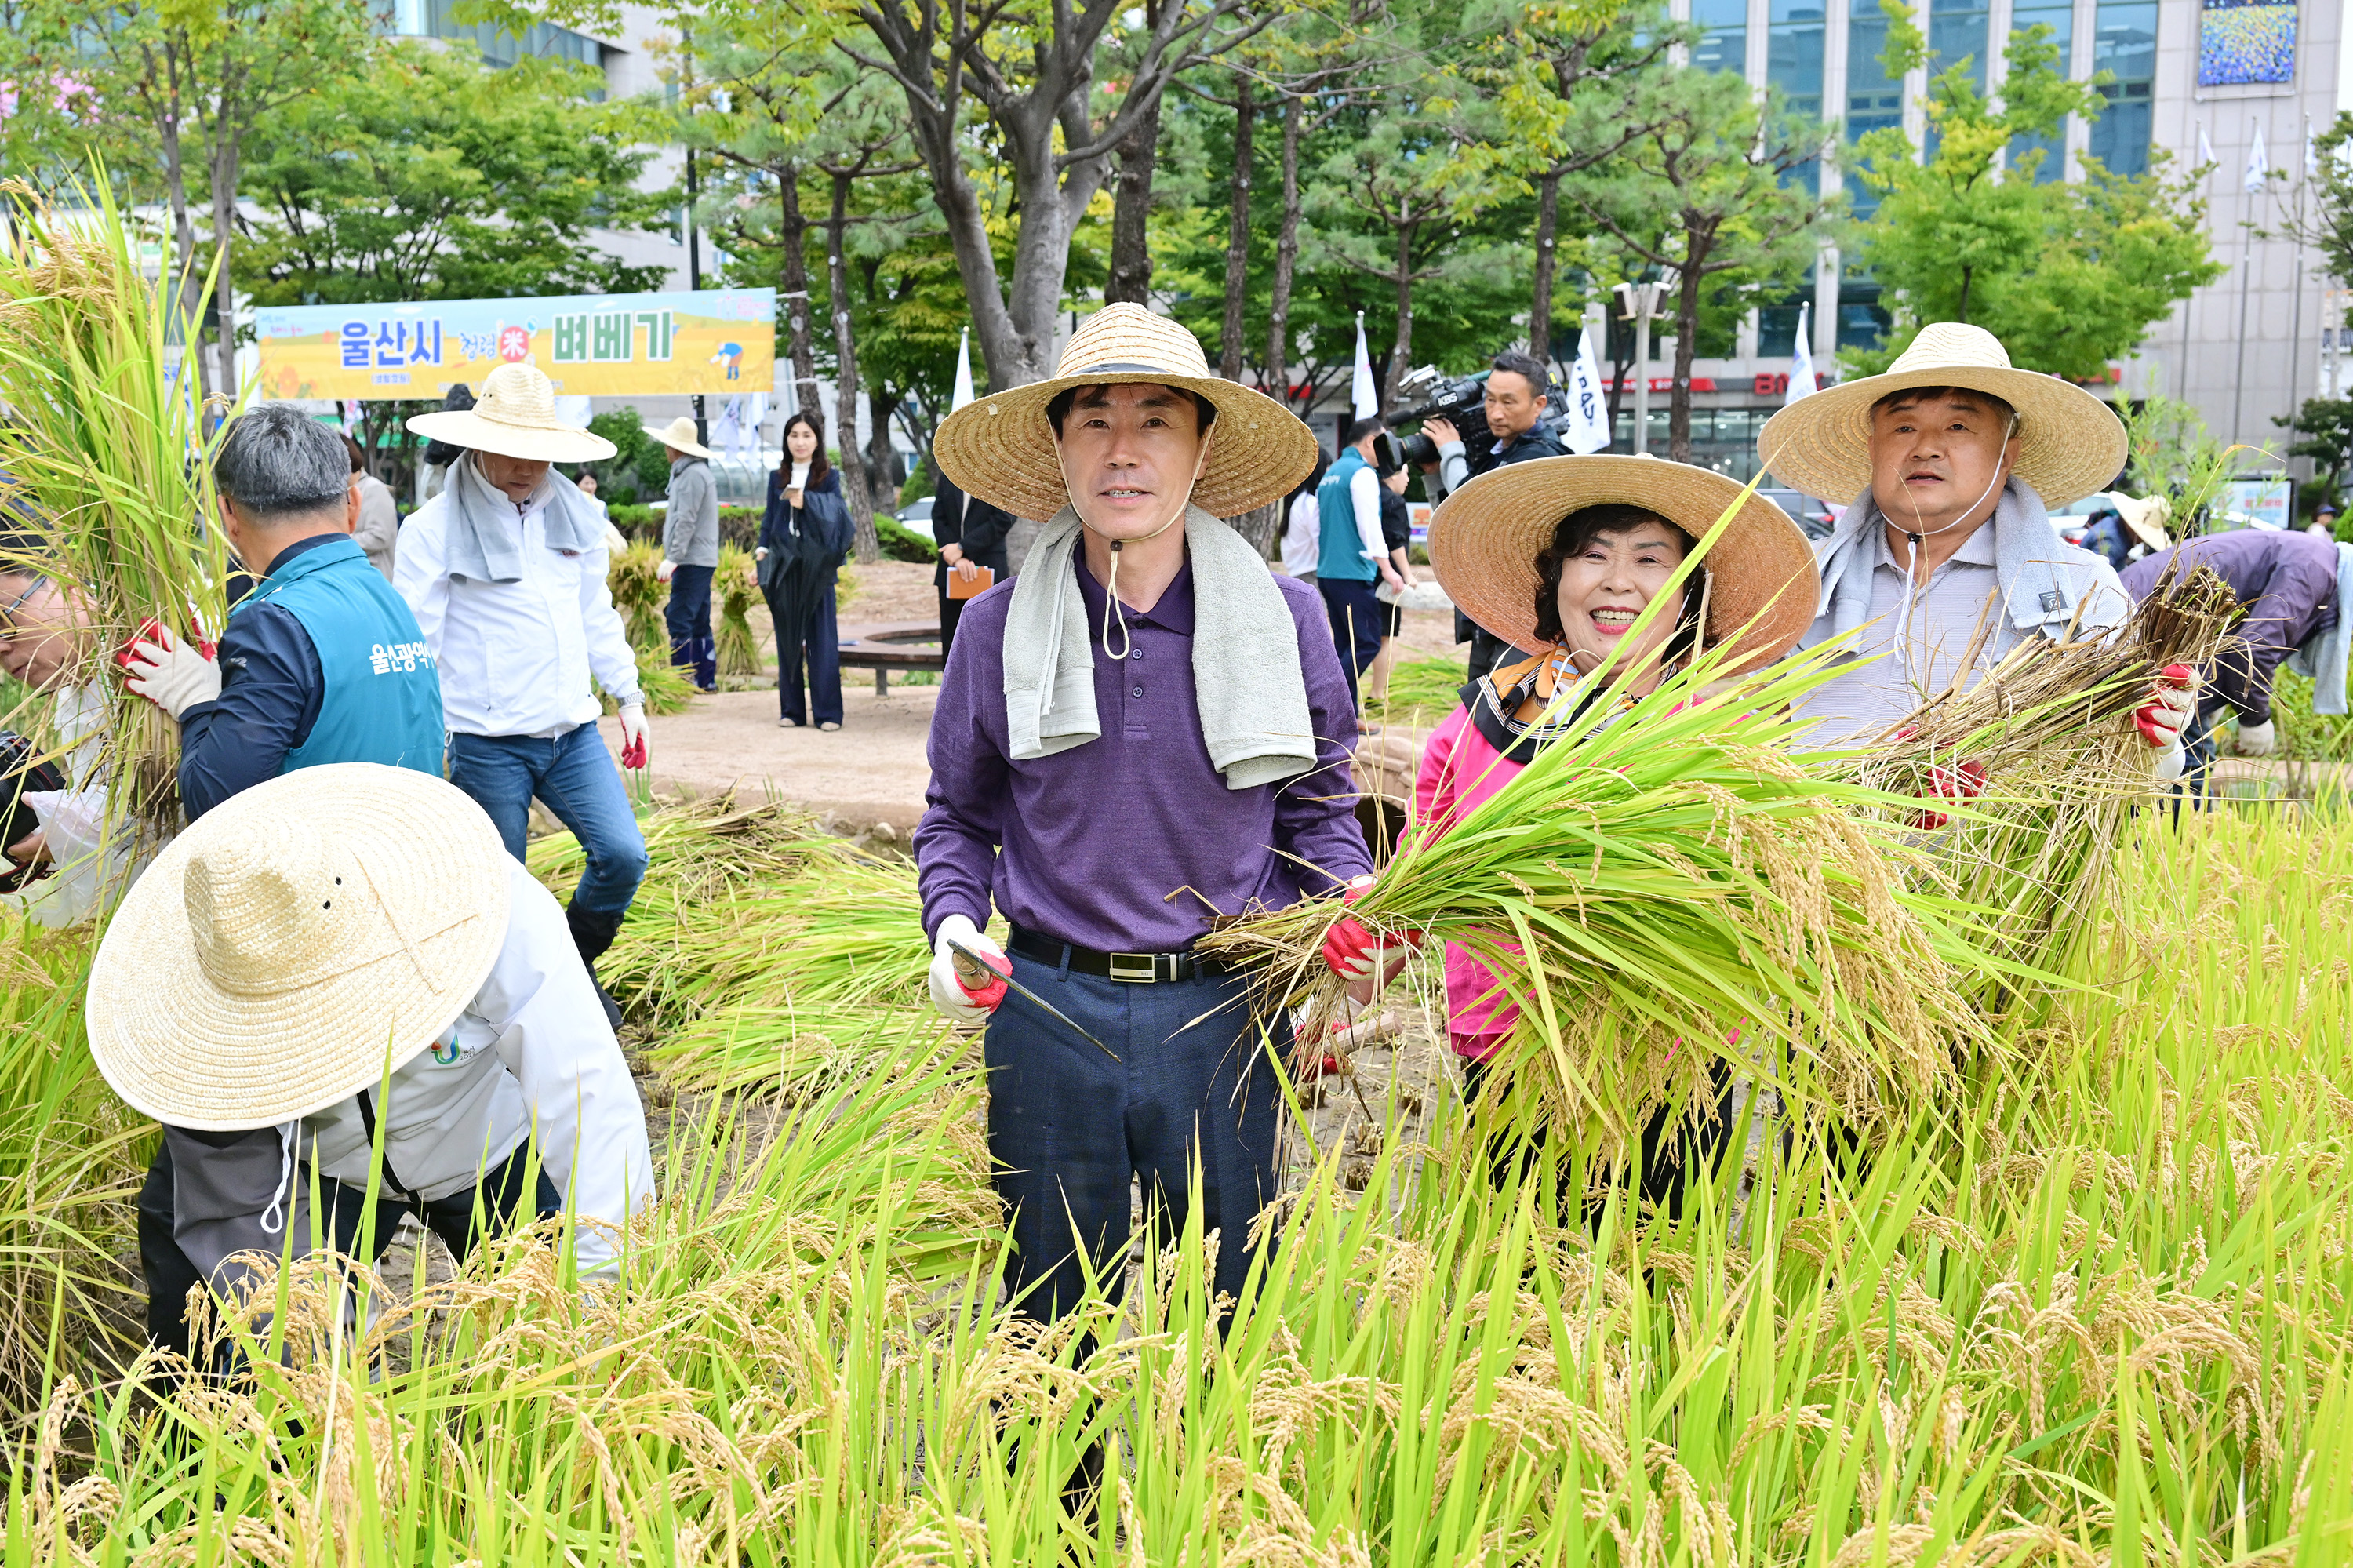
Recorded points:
951,611
688,616
1675,1148
818,640
506,1202
1358,617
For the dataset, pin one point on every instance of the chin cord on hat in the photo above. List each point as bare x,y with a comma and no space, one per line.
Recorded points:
1112,609
287,1132
1913,538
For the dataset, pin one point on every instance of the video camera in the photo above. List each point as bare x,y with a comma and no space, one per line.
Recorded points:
1460,400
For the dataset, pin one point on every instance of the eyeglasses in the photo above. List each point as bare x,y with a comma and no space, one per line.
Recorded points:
8,615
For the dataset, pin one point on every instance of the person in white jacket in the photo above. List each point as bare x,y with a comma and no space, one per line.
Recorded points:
345,1001
505,573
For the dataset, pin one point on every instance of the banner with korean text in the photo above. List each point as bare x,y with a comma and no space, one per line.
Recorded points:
713,340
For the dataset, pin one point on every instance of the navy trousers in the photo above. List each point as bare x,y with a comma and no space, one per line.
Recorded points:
821,642
1069,1126
1359,619
688,617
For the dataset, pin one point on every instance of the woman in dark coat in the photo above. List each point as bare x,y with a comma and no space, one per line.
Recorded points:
804,538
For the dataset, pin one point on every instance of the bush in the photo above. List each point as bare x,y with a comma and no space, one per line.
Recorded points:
920,484
638,472
738,526
901,542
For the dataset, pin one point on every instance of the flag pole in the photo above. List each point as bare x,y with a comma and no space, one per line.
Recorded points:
2253,186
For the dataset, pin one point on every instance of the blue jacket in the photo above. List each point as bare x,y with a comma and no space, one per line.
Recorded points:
322,663
1342,556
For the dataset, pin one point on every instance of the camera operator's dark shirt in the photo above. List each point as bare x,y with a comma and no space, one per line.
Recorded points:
1527,446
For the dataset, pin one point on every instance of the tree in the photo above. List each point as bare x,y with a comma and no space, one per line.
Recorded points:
1032,72
2327,426
1567,81
431,175
2067,275
201,75
1714,194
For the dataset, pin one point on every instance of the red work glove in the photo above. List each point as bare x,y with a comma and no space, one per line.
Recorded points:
1350,948
151,631
1962,781
2162,718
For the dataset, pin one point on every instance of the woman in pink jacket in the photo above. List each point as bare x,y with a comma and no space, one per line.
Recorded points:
1564,555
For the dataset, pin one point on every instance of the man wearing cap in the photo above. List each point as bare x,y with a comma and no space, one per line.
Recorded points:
345,1001
1144,730
2296,591
1947,558
689,552
323,662
505,570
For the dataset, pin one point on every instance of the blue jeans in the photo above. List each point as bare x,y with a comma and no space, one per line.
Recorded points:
1069,1126
575,775
1359,619
688,617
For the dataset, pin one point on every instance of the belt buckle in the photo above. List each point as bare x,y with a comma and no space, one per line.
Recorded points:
1132,968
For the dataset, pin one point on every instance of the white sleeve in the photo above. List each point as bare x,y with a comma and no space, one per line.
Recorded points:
551,1032
419,569
1365,490
610,657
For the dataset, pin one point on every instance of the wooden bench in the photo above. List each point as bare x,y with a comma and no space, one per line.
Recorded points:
883,649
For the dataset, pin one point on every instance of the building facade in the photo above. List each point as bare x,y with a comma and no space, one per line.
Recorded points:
2194,79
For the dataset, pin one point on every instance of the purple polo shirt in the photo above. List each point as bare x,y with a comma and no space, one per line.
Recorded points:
1131,842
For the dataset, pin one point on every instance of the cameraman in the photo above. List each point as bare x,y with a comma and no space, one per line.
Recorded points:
1518,385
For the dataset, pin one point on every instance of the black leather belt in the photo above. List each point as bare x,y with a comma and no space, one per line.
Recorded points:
1128,969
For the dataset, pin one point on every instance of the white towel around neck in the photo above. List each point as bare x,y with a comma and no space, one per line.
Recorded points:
1247,682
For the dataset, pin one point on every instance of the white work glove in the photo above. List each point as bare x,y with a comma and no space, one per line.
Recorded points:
172,674
633,734
965,1009
2160,720
662,573
2255,739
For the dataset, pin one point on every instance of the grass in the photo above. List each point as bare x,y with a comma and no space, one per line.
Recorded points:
1421,692
2096,1307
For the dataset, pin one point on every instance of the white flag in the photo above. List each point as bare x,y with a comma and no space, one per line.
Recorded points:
2205,148
2311,157
963,393
1588,405
1362,392
1801,359
753,415
2258,163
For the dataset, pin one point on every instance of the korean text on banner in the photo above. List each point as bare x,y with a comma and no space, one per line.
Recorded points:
710,340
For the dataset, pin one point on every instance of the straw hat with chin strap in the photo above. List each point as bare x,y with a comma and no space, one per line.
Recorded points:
1001,447
2069,442
2145,517
299,942
515,416
1761,582
679,436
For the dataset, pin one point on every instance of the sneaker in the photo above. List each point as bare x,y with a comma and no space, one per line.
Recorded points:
828,727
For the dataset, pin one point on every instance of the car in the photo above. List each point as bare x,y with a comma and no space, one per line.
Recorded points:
1808,513
916,515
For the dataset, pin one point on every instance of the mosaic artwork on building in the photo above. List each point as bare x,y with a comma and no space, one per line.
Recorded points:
2245,43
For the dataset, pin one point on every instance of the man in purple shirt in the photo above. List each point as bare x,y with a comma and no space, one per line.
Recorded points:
2288,582
1143,730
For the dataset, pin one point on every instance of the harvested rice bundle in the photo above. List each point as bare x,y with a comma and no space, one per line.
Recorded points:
1672,887
735,591
2043,751
639,593
106,442
797,1052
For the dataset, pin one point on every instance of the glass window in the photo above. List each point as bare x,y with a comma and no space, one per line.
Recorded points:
1725,46
1874,100
2061,20
1862,321
1956,31
2124,43
1794,55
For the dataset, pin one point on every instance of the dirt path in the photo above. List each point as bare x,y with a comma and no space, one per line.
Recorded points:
872,770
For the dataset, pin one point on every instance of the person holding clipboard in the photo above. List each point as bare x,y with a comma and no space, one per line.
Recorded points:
970,534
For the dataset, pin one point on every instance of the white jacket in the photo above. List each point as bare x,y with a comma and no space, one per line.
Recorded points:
516,658
532,1049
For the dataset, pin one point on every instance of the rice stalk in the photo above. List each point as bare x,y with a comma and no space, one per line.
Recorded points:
734,590
107,444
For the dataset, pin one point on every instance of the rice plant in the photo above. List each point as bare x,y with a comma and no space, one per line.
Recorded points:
735,590
108,444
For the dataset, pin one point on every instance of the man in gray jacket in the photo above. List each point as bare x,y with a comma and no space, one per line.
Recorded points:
689,551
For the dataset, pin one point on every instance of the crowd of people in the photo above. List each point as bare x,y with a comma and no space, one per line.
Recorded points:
345,1000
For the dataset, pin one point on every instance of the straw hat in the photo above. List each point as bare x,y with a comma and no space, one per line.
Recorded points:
679,436
1001,448
515,416
1485,539
297,942
2145,517
2069,443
